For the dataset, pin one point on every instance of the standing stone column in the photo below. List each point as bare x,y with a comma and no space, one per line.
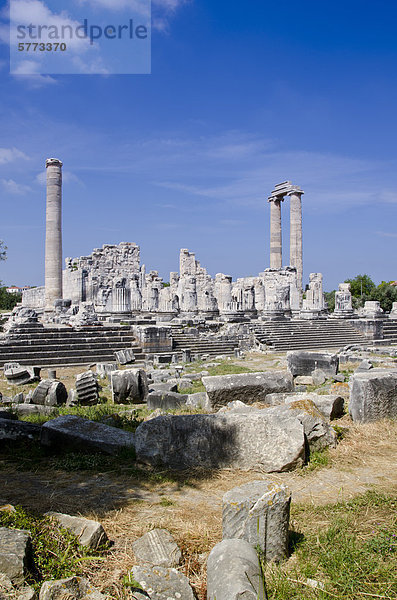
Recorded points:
276,252
53,240
296,248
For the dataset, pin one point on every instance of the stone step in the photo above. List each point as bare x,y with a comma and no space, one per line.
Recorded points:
80,345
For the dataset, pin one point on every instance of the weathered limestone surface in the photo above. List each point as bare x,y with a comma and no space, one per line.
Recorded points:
296,252
162,387
318,431
157,548
53,242
89,533
50,393
199,400
233,572
11,430
314,304
330,405
214,441
15,553
258,512
160,583
302,362
276,258
166,400
246,387
125,357
87,388
76,433
129,386
21,375
343,302
373,395
71,588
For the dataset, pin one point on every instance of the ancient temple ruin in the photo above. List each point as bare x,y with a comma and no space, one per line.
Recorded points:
118,287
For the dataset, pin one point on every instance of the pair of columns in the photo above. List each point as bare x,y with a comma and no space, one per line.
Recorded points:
296,249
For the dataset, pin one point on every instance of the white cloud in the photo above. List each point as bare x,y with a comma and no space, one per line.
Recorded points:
8,155
35,80
12,187
387,234
141,7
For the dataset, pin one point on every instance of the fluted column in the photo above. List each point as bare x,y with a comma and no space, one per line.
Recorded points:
296,249
276,252
53,239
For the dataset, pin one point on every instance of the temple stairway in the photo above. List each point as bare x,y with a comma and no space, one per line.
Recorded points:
301,335
64,346
203,344
390,330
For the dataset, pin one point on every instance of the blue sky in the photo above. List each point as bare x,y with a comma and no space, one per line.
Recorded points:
242,95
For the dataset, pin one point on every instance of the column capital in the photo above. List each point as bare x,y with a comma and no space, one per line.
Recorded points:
53,162
274,198
295,190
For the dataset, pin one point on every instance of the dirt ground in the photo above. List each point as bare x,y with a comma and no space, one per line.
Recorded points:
190,507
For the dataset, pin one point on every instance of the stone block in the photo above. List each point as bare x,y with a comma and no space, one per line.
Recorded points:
163,387
157,548
260,440
373,395
365,365
160,583
71,588
125,357
166,400
319,377
6,414
246,387
303,380
318,431
330,405
21,375
258,512
302,362
199,400
129,386
15,554
89,533
75,433
105,369
50,392
233,572
17,431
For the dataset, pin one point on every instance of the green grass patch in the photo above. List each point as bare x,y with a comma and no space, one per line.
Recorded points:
349,548
318,459
197,386
56,552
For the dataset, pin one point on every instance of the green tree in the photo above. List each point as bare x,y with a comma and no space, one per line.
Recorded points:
8,301
361,287
3,250
330,298
386,294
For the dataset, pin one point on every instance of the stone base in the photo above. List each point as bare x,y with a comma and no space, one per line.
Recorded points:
342,315
165,317
273,315
233,317
311,315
